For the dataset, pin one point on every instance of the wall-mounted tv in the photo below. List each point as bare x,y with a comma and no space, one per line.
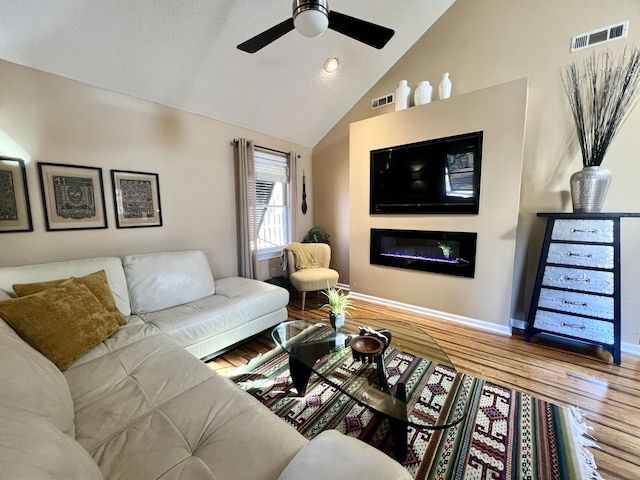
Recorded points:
434,176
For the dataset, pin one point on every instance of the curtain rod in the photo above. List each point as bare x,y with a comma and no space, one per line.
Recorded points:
235,140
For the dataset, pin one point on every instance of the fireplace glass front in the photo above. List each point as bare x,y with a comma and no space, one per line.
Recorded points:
450,253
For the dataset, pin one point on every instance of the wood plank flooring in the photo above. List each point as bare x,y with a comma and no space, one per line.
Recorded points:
608,395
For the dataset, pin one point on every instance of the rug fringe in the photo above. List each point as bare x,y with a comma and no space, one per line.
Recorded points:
584,440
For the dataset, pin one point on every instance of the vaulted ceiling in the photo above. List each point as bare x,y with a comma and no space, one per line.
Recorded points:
183,54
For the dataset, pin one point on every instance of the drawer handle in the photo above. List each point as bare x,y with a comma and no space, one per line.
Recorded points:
579,304
581,255
573,325
568,278
583,230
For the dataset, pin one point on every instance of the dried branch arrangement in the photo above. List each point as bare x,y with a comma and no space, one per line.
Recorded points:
602,92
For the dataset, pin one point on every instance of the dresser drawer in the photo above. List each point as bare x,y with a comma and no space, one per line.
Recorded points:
600,231
575,302
595,281
584,328
597,256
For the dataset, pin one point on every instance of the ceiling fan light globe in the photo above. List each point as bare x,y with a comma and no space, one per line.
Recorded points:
311,23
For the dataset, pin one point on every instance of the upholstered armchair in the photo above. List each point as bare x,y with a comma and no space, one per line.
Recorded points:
311,276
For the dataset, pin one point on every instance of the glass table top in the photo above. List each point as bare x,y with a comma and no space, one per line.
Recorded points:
412,380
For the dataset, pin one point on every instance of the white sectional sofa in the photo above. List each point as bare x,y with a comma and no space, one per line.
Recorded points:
140,404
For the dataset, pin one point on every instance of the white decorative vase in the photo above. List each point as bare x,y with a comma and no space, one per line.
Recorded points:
444,90
403,92
423,93
589,188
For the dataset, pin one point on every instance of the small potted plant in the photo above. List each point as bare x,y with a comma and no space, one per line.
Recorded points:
339,303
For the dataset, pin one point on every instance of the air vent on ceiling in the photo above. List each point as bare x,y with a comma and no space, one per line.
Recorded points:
601,35
382,101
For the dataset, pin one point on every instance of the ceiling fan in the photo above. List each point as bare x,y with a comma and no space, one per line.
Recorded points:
311,18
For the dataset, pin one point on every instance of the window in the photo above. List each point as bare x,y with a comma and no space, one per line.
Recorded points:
272,203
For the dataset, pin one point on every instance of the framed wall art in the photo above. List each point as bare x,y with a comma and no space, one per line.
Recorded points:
73,197
15,210
137,199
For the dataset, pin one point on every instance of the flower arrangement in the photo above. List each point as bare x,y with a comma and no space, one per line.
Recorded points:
602,93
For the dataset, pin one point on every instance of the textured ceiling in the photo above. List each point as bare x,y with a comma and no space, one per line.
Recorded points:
183,54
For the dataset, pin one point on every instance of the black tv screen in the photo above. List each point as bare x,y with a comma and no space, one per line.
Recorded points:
434,176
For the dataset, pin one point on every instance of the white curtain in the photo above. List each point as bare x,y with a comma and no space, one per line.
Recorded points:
246,203
296,200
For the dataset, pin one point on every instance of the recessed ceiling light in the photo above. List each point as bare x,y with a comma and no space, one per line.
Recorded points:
331,64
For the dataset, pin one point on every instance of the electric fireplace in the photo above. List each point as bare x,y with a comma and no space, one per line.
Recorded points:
450,253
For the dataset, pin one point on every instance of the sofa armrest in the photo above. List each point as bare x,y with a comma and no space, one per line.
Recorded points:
339,457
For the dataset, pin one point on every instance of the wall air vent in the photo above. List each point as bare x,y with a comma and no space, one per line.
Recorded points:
599,36
382,101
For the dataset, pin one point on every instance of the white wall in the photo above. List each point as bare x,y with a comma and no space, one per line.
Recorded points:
46,118
503,132
486,43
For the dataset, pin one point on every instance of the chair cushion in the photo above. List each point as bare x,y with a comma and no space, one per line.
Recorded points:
61,322
96,282
311,279
164,280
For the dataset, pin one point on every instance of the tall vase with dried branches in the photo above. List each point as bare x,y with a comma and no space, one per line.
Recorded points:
602,92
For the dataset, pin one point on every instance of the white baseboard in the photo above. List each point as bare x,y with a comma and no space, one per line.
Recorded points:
435,313
513,323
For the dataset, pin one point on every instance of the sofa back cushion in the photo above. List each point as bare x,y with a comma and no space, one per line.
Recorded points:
32,385
164,280
73,268
33,449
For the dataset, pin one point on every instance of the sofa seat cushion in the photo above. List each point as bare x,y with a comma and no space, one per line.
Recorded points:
61,322
32,385
73,268
340,457
150,410
262,298
237,302
164,280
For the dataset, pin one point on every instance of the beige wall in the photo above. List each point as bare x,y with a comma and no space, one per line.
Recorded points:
52,119
496,223
486,43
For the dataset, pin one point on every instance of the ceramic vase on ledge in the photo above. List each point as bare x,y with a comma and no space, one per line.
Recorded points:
403,92
444,89
423,93
589,188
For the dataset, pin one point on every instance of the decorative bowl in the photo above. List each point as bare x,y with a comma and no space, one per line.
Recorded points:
367,345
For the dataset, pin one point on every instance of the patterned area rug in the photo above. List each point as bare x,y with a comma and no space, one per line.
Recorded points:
505,435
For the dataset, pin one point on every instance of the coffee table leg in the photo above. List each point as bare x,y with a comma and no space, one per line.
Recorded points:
399,428
300,374
382,373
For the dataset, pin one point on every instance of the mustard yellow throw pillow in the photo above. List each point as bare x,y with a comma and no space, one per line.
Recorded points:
96,282
61,322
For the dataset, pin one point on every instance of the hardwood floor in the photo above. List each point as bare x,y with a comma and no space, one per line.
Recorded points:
608,395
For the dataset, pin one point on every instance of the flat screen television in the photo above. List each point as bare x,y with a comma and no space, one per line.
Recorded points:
434,176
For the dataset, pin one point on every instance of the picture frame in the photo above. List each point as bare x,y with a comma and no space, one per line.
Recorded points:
15,209
136,197
72,197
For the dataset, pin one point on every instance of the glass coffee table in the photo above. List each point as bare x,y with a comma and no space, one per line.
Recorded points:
394,368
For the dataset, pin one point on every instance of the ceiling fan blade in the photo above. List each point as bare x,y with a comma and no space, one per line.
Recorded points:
373,35
265,38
